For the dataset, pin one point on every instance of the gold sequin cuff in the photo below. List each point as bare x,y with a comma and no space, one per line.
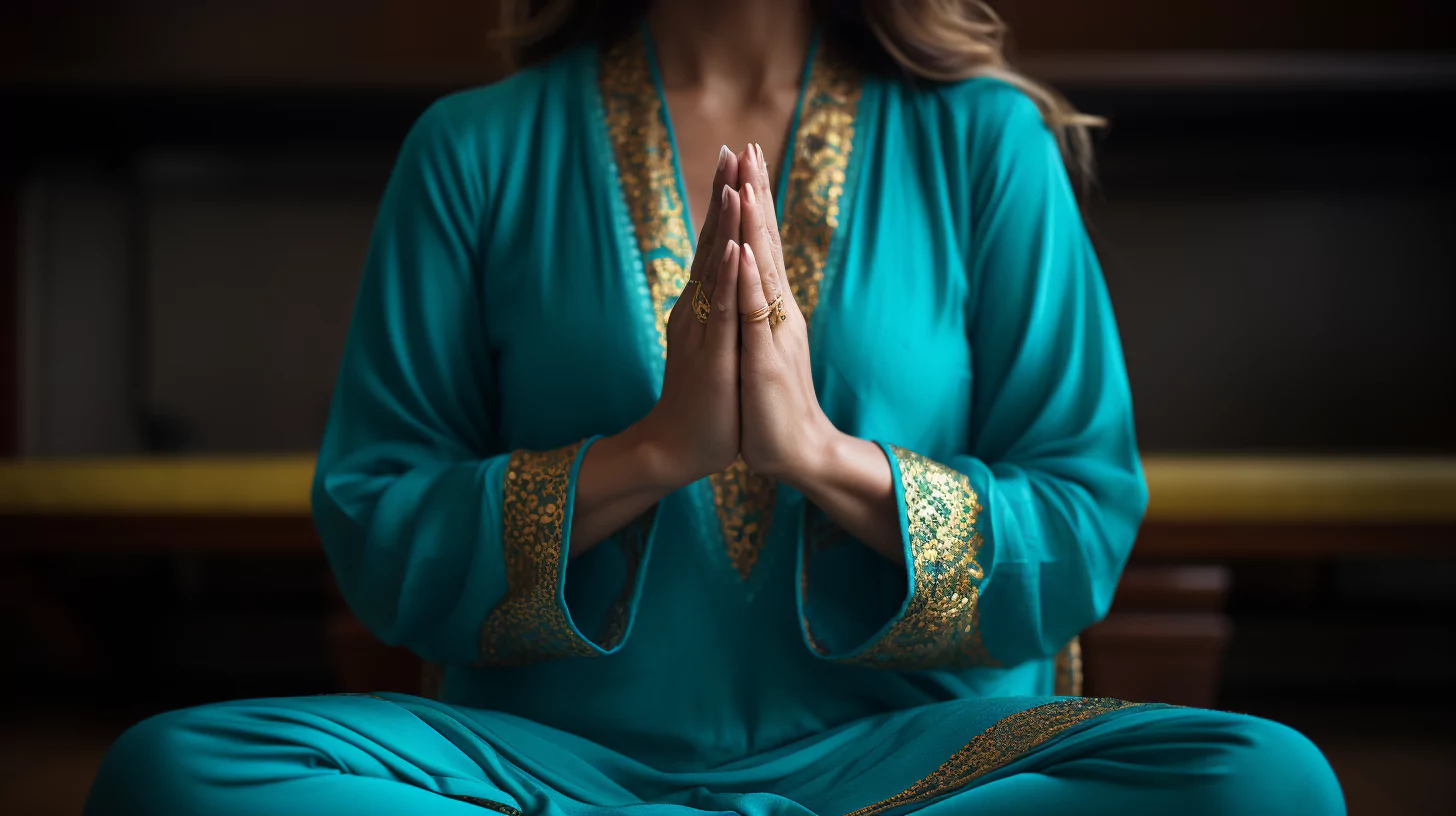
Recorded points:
531,623
938,626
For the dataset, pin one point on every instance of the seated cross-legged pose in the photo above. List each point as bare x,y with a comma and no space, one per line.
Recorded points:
757,482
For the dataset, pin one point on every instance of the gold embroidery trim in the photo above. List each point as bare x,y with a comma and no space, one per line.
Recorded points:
648,175
816,175
941,624
744,501
1068,665
1010,739
529,624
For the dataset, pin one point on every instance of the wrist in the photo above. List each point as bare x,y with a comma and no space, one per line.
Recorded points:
652,456
822,455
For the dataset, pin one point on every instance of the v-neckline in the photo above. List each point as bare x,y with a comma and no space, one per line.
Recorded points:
816,170
781,189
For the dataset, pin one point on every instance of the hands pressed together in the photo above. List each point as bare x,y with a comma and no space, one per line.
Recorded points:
738,379
738,384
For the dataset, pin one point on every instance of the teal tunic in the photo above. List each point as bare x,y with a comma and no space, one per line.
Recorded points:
731,650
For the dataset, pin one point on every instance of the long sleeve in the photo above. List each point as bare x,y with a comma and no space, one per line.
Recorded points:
441,538
1015,545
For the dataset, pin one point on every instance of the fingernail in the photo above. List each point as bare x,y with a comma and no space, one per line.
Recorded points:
748,193
752,155
762,159
726,188
722,156
748,250
729,250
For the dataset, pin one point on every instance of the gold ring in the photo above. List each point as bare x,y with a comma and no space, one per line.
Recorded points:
776,309
702,307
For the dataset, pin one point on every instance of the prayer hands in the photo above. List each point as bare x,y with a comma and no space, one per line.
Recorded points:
736,387
785,431
695,423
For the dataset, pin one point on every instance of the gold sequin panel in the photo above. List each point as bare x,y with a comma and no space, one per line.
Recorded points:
647,172
941,624
816,175
529,624
1008,740
744,501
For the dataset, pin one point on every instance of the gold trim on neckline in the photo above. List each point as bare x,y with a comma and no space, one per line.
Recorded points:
743,500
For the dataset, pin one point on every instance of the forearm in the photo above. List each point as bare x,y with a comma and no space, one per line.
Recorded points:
621,477
850,480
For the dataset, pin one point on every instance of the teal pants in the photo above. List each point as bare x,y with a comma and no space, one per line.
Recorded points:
393,754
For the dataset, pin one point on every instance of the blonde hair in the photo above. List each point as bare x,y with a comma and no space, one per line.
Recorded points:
935,40
953,40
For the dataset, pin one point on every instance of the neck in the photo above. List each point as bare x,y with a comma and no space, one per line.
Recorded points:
750,46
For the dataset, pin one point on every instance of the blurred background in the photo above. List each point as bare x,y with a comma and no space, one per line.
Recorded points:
186,191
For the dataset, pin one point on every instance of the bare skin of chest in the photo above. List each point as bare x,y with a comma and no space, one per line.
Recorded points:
703,124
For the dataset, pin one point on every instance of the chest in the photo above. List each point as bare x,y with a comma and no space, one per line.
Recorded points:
701,127
577,295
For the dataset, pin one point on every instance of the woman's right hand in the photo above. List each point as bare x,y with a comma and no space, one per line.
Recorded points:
694,427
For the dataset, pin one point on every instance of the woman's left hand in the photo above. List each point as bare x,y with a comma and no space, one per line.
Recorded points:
785,432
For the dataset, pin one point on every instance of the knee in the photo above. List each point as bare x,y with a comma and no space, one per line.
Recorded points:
151,759
1275,769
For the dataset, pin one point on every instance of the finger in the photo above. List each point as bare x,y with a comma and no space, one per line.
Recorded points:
726,173
710,219
730,230
722,339
755,235
771,217
754,170
710,259
715,233
726,229
757,335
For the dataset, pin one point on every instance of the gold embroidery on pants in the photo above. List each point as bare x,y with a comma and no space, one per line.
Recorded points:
1010,739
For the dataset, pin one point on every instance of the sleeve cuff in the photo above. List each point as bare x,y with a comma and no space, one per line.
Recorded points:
937,624
532,622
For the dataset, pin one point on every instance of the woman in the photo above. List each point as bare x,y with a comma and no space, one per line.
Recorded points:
805,539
